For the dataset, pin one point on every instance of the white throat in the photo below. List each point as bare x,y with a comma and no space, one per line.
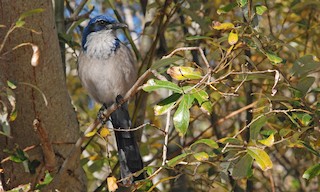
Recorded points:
101,44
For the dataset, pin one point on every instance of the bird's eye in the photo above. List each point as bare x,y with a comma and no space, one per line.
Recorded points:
102,22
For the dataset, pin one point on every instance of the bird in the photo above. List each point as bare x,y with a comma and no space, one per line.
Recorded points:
107,70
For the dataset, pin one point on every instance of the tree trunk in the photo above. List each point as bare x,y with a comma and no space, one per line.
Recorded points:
58,117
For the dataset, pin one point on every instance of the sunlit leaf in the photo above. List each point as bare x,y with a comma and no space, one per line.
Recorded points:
154,84
91,133
243,168
104,132
202,98
268,141
201,156
312,172
47,179
260,9
274,58
304,118
242,3
174,161
184,73
11,85
233,37
261,158
31,12
112,183
222,26
209,142
181,117
256,127
20,23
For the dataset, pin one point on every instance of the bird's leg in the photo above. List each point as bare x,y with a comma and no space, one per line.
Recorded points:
103,120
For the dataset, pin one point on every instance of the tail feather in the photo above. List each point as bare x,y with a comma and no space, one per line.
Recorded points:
128,150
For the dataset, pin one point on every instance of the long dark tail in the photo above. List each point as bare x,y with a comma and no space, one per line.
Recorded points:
128,150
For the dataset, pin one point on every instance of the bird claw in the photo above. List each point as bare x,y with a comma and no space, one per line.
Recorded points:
103,120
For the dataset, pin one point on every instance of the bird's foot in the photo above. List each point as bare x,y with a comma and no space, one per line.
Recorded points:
103,120
119,99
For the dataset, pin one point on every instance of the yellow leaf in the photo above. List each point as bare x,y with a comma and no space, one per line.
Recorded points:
104,132
222,26
233,37
184,73
201,156
230,49
91,133
268,141
112,183
93,157
261,158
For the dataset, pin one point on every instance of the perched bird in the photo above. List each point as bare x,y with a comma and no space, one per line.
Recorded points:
107,70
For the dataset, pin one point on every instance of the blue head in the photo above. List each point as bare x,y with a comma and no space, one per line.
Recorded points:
98,23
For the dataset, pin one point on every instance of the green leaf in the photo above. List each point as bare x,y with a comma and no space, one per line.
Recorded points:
284,132
305,65
29,13
202,98
310,148
181,117
11,85
231,140
227,8
184,73
304,84
274,58
242,3
256,127
165,62
261,158
268,141
47,179
312,172
242,168
304,118
174,161
211,143
163,106
260,9
20,23
201,156
154,84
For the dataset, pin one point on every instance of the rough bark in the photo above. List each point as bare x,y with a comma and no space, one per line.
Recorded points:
58,118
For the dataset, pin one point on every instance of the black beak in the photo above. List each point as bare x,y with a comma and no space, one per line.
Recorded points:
116,26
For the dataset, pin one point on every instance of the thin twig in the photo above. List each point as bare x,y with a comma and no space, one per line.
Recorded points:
47,149
189,49
166,138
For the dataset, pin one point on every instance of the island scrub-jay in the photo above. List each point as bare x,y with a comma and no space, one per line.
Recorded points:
106,69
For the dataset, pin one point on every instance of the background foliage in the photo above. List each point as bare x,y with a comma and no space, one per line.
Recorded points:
232,102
